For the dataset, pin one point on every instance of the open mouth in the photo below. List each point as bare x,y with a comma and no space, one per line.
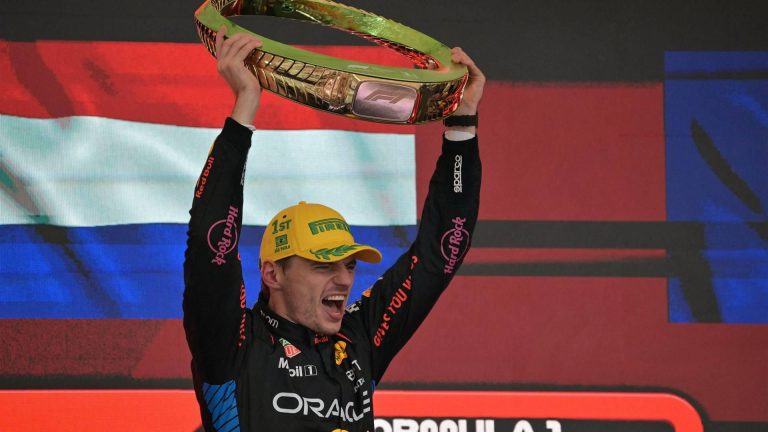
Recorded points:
334,305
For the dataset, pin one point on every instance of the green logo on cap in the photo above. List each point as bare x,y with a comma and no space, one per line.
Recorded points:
278,226
281,243
326,253
329,224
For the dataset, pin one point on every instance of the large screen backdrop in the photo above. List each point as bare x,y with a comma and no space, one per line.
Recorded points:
618,279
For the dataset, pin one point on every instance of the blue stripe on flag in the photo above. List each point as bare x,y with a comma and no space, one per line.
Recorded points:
131,271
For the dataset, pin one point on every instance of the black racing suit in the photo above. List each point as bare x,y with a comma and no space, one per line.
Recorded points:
256,371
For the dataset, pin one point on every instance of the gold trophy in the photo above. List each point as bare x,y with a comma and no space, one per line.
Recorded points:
430,91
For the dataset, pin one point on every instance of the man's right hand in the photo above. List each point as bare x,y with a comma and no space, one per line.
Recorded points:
231,54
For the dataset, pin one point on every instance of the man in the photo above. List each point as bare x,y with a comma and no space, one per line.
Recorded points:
301,359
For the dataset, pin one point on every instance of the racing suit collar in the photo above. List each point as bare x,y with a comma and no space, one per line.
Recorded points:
277,325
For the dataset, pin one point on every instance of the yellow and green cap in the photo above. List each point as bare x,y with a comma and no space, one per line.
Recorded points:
314,232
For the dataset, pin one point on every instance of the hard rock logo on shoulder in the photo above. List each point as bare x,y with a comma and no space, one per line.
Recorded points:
454,244
222,236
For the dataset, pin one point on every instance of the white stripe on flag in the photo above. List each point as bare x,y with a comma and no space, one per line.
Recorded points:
88,171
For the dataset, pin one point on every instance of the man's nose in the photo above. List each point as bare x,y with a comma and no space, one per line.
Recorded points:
344,276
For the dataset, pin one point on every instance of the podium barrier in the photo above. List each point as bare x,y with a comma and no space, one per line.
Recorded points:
177,410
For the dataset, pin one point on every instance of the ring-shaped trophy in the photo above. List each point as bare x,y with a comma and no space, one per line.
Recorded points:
430,91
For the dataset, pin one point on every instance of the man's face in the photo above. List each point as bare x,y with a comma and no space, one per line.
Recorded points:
315,293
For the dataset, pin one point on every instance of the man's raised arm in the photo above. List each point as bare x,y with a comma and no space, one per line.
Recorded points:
401,299
214,294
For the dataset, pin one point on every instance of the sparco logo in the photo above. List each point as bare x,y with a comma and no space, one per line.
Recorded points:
291,403
297,371
222,236
454,244
457,174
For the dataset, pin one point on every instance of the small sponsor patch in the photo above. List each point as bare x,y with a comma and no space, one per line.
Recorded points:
457,187
290,350
328,224
340,352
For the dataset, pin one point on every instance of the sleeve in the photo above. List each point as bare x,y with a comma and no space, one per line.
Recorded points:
400,300
214,292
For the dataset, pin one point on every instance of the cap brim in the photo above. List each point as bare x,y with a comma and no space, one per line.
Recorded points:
368,254
334,252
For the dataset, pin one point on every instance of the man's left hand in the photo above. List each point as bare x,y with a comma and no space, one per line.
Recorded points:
473,91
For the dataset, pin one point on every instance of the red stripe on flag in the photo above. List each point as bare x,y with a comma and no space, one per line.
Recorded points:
166,83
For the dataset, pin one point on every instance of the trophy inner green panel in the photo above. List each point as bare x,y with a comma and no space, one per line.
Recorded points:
423,50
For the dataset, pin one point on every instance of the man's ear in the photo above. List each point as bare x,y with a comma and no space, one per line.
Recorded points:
271,274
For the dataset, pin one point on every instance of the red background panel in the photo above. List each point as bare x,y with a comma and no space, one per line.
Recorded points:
547,333
565,152
75,346
566,256
95,349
